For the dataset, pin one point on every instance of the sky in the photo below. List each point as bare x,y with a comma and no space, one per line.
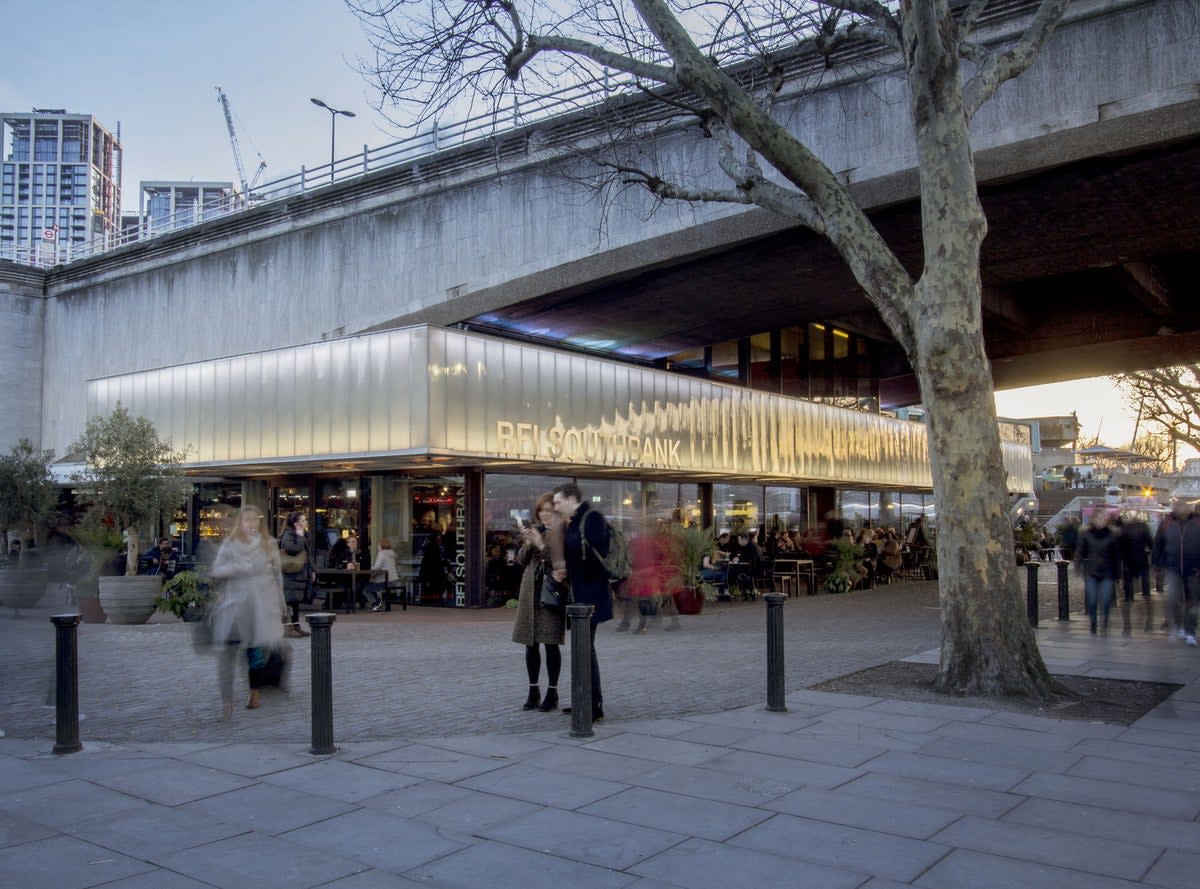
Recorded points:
152,67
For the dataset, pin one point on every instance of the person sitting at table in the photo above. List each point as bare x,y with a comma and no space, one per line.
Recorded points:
352,559
385,566
745,563
714,569
889,560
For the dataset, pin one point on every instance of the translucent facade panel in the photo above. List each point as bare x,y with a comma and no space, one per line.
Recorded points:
446,392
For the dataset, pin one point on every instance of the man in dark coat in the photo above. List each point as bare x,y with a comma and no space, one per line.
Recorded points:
1176,555
1135,555
585,539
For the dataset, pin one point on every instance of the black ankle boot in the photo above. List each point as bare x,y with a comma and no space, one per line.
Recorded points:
531,702
550,702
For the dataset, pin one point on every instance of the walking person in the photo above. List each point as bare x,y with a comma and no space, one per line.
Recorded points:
249,609
585,539
537,623
297,583
1176,558
1136,542
1098,559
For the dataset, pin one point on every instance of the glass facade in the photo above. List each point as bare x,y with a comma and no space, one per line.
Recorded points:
885,509
59,170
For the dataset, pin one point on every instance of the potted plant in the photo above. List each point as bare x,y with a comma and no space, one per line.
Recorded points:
98,544
131,477
690,544
28,507
184,595
1025,538
847,568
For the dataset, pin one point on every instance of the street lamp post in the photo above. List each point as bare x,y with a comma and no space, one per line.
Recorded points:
333,116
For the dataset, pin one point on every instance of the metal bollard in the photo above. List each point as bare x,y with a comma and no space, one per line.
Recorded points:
322,683
775,663
581,669
66,684
1064,595
1031,592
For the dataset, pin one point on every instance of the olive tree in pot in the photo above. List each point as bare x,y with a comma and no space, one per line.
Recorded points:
28,507
131,476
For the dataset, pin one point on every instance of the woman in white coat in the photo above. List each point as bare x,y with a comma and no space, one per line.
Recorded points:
251,606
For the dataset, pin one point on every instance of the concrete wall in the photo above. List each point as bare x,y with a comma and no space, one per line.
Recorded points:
22,328
386,249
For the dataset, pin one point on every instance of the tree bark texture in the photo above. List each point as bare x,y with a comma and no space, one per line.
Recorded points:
988,646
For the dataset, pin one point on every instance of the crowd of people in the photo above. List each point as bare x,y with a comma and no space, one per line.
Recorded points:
1107,551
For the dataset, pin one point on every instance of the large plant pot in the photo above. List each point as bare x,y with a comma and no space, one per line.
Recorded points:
23,587
689,601
87,599
129,600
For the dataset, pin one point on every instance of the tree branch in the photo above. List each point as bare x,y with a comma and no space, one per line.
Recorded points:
539,43
1003,65
968,19
870,259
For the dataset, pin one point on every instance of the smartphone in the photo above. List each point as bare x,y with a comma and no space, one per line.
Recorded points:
521,518
523,523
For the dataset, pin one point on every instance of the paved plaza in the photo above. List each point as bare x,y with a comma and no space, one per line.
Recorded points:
440,779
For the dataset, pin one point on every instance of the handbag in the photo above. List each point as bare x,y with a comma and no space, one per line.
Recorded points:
552,593
292,564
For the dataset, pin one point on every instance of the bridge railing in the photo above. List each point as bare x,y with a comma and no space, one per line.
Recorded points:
476,129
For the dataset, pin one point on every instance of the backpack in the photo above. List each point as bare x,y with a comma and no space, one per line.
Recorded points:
617,562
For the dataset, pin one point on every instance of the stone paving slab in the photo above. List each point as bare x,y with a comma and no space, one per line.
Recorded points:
1110,794
149,832
390,844
1091,821
74,863
487,865
914,821
699,864
1108,856
679,814
586,838
963,868
836,845
254,859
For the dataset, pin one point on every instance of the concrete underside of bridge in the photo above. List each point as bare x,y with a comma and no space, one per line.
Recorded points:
1088,268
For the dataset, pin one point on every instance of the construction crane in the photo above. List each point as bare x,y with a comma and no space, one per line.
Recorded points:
237,153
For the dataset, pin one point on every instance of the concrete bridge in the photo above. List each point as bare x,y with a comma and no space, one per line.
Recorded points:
1089,164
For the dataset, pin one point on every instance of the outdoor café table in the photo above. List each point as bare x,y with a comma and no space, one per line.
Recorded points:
803,569
349,580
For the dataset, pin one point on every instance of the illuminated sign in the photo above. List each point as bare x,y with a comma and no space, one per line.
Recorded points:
586,445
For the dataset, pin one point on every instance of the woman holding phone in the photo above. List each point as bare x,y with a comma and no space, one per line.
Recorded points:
538,624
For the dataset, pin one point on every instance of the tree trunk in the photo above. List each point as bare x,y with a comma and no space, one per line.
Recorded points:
132,551
988,647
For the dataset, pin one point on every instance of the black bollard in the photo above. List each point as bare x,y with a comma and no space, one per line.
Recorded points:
322,683
581,669
66,684
775,664
1031,592
1064,594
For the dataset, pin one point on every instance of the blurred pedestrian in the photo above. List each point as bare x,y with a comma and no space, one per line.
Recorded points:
1176,557
250,607
538,622
1098,559
385,566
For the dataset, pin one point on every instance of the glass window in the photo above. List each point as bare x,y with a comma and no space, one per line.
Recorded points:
764,372
619,499
737,508
854,507
508,498
785,508
671,502
724,363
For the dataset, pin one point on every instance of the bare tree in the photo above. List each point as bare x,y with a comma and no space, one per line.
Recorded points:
724,68
1168,399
